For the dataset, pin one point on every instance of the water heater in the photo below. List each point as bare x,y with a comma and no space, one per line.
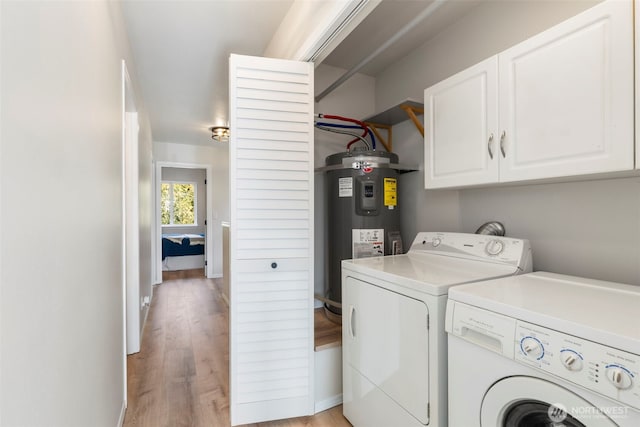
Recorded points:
363,217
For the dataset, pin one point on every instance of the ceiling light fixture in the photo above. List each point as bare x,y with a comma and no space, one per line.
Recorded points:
220,133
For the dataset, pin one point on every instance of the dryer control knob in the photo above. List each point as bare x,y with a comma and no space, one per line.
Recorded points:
532,347
571,360
436,242
494,247
619,377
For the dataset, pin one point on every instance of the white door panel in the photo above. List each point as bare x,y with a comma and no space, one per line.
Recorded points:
271,252
387,342
360,393
566,97
461,120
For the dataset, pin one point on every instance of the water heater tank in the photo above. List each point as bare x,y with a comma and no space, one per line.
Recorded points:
363,216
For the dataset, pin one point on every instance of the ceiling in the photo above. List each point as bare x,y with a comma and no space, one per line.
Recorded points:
181,51
387,19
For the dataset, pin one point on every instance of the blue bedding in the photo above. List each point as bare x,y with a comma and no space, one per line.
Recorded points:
182,244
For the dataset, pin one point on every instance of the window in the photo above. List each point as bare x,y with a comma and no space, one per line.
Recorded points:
178,203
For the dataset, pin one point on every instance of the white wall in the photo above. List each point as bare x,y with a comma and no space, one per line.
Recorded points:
354,99
420,210
485,30
189,175
582,228
587,228
217,156
61,304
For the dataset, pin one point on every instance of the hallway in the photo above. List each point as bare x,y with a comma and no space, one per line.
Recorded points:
181,375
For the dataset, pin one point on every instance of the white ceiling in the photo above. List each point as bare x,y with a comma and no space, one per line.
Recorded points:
387,19
181,51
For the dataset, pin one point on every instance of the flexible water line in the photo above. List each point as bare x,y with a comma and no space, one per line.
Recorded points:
358,137
336,125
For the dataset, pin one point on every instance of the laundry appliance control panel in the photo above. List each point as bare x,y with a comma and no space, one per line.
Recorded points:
498,249
611,372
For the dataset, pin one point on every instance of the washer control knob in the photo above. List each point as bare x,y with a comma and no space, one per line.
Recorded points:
436,242
619,377
494,247
571,360
532,347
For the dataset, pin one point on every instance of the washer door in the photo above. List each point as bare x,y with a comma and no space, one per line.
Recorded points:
532,402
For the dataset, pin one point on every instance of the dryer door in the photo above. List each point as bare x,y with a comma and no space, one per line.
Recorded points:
531,402
386,340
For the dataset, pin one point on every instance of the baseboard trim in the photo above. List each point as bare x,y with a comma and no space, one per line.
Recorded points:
123,410
328,403
215,276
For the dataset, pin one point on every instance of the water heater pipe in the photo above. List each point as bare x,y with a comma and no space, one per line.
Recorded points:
335,125
401,33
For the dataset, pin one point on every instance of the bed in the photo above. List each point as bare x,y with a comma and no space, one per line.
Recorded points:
182,251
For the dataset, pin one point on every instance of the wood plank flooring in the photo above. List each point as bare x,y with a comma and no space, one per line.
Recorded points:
327,333
181,375
183,274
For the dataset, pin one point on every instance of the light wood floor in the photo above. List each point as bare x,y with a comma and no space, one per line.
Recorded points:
183,274
326,333
181,375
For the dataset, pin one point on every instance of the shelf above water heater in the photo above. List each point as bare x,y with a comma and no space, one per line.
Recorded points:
407,109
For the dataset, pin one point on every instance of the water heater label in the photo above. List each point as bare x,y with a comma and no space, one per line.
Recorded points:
390,192
345,187
367,242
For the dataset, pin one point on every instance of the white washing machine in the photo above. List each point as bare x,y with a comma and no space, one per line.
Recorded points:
393,338
543,349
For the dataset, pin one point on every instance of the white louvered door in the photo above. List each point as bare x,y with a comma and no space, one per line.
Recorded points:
271,250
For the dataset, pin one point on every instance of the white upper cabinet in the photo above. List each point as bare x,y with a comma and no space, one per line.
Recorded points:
565,105
566,97
463,115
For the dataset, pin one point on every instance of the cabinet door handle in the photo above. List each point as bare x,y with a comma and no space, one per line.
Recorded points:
352,312
489,143
502,137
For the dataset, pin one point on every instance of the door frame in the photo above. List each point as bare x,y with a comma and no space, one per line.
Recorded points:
130,224
133,305
157,238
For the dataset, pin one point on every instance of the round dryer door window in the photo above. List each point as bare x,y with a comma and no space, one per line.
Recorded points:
532,402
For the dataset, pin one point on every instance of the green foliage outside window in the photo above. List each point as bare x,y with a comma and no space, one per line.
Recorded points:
165,204
177,205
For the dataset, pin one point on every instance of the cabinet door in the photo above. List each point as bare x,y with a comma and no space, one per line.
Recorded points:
460,125
566,97
271,244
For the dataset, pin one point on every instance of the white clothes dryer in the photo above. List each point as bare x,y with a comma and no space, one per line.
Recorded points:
544,349
393,338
